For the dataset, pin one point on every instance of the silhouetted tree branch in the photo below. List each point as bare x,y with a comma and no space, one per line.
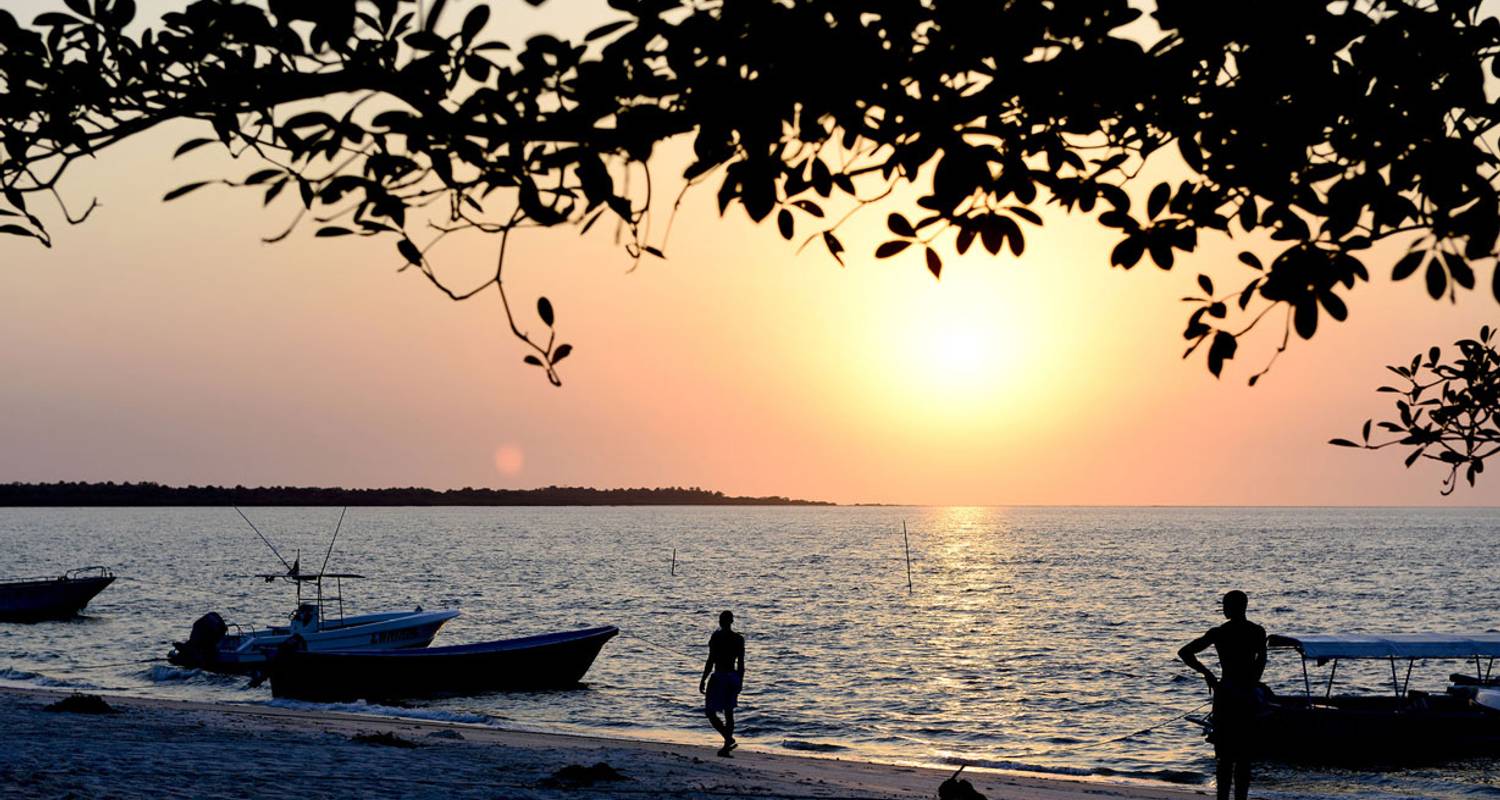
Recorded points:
1448,412
1327,127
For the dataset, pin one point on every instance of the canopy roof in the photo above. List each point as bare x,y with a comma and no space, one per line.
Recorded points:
1394,645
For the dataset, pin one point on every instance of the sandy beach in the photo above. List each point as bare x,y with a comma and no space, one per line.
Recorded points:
169,748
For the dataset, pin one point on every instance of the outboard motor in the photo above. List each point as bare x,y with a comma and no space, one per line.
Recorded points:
203,643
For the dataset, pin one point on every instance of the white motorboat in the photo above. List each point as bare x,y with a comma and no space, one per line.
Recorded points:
317,624
212,647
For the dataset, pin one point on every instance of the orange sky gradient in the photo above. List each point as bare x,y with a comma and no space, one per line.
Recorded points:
164,342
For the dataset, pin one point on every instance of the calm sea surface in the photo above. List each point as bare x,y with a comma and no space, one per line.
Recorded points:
1035,639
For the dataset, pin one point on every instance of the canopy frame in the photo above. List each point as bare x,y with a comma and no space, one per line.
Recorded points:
1326,649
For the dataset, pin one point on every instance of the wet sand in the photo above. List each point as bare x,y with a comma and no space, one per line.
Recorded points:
171,748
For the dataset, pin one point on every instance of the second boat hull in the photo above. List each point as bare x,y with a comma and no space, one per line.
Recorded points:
1364,731
551,661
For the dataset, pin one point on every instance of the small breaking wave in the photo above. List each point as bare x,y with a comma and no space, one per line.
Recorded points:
161,674
1013,766
1167,775
812,747
361,707
13,674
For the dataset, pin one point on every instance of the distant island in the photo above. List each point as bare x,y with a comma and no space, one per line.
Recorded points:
154,494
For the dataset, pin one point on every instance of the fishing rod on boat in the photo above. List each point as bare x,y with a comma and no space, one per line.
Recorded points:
335,538
264,539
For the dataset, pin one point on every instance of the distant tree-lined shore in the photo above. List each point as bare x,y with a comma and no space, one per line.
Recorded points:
154,494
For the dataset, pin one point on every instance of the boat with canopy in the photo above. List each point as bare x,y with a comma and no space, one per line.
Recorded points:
1401,725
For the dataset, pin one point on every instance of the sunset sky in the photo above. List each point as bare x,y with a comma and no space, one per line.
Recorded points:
164,342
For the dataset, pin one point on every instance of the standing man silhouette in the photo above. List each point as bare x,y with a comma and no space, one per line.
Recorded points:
721,689
1241,645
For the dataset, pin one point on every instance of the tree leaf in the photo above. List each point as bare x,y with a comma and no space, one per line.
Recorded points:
1437,280
605,30
561,352
785,224
1305,317
900,226
1206,284
1408,265
332,230
191,145
409,251
991,235
934,263
474,22
1158,200
1334,306
1249,215
834,246
1222,349
261,176
544,310
1342,443
426,40
1248,293
1127,253
810,207
891,248
184,189
1458,267
1025,213
273,190
478,69
55,18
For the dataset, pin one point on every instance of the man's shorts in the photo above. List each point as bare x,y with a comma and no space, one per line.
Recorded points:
723,692
1235,712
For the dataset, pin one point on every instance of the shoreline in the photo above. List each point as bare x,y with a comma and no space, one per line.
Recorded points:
159,747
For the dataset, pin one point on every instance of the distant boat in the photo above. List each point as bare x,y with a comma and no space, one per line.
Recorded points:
1407,725
36,599
549,661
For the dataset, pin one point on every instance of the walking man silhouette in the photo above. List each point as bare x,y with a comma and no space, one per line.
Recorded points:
1241,645
723,675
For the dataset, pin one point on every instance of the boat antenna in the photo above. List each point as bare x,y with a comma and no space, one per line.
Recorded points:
263,538
335,538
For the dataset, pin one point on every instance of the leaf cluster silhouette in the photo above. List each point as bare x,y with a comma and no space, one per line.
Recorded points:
1310,131
1448,411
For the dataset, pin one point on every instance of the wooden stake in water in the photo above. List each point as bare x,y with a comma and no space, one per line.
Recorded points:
674,561
907,540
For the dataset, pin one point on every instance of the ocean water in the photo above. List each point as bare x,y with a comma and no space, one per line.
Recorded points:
1035,640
